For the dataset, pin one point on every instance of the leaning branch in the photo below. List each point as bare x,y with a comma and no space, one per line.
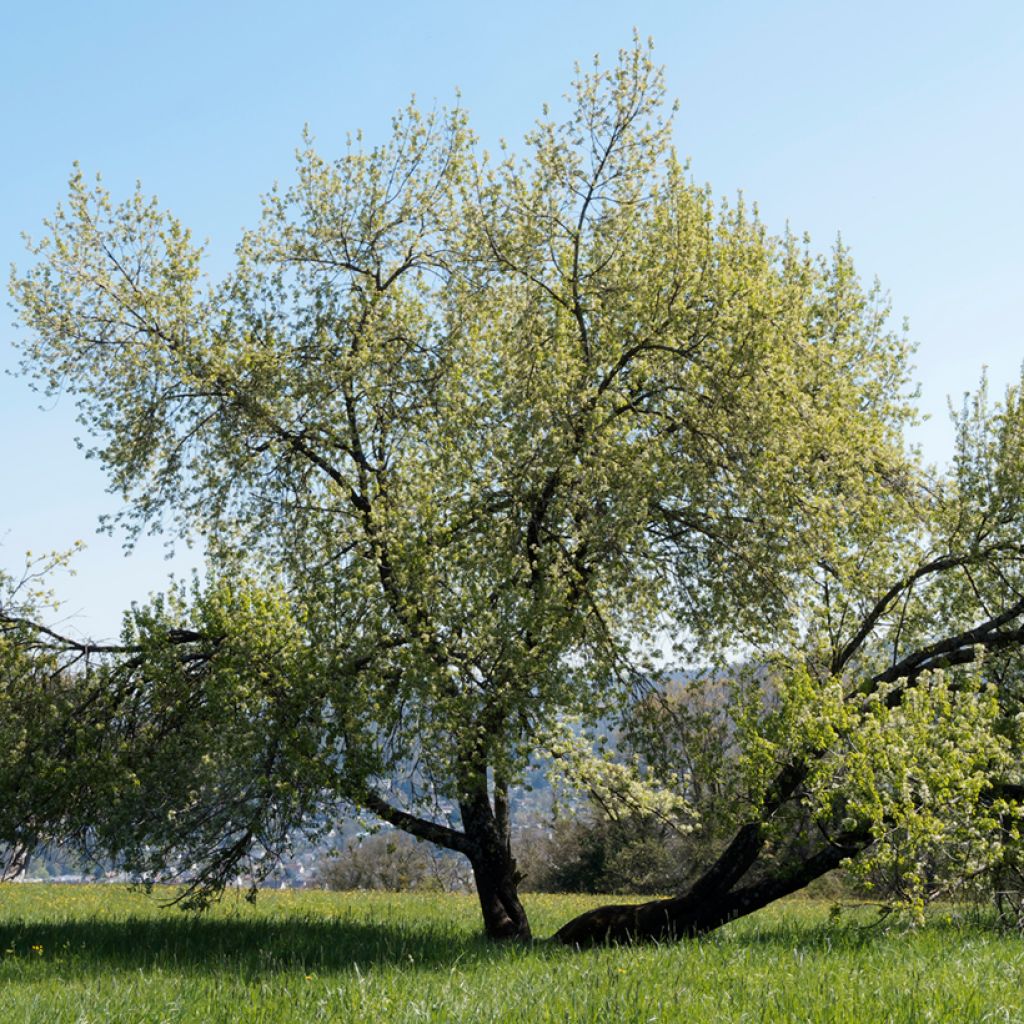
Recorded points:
885,602
59,642
421,828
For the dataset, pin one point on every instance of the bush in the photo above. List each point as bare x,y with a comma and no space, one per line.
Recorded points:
599,855
393,861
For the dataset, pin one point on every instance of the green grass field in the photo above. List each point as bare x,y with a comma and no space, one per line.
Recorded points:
103,954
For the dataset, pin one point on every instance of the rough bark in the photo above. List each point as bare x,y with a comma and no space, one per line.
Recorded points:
712,901
497,883
494,868
14,860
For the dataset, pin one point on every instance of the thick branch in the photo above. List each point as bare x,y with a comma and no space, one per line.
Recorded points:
955,650
701,910
70,644
885,602
421,828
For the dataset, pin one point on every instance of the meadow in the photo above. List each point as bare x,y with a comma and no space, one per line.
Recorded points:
92,954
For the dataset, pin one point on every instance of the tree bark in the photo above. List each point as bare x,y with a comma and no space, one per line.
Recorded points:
14,861
497,884
494,868
709,903
485,839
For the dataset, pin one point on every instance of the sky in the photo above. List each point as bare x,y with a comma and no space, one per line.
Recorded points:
898,125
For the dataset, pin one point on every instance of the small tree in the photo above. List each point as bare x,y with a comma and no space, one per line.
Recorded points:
463,440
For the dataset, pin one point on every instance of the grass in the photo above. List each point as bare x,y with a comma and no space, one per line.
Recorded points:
94,954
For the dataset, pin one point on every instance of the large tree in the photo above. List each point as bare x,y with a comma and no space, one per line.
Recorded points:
465,442
886,733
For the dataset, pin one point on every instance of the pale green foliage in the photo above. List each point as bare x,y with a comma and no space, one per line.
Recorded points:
218,745
480,432
918,773
894,736
41,730
620,787
786,716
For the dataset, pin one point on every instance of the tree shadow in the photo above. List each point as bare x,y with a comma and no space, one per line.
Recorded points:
251,947
195,943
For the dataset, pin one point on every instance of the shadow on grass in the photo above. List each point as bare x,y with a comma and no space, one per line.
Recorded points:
199,944
251,947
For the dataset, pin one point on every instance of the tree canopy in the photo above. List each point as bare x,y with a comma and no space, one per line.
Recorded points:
466,439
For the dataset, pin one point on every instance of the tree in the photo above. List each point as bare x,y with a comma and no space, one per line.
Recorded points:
889,735
30,685
464,440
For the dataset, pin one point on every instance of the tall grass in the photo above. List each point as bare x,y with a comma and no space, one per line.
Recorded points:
98,954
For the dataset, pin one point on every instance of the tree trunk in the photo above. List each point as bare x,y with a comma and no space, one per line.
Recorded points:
710,902
494,868
497,882
485,839
14,861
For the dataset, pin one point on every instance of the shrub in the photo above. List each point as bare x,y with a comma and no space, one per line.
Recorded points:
393,861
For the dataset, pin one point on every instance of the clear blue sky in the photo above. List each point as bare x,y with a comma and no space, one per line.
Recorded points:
898,124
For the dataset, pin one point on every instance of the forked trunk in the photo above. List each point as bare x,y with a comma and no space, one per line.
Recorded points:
494,868
497,883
